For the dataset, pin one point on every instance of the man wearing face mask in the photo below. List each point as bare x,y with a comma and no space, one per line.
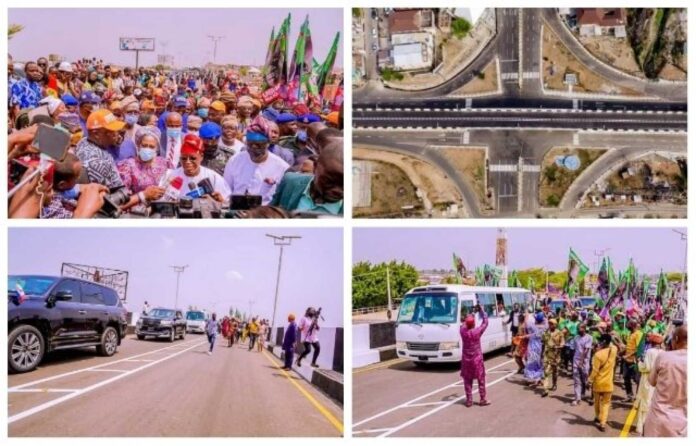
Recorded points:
215,157
88,102
192,172
172,138
319,193
274,148
131,114
255,171
93,150
203,108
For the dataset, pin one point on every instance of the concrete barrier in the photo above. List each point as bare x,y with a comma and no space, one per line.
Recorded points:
373,343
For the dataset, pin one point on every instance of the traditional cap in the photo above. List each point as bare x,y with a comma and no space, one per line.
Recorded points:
271,114
655,338
284,118
65,66
89,97
218,105
308,118
180,101
51,102
210,130
115,105
256,137
104,119
539,316
191,145
129,103
69,99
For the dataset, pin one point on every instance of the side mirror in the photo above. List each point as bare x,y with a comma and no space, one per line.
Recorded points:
63,295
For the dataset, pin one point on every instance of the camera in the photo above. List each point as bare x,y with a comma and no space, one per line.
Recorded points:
244,202
199,208
113,202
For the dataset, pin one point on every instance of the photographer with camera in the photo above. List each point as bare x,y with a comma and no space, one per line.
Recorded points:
309,335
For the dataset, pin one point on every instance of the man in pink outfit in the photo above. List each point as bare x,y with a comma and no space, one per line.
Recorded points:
472,357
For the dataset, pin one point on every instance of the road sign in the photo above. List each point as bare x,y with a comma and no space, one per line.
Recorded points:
136,43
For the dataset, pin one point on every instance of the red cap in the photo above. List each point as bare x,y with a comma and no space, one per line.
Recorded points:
191,145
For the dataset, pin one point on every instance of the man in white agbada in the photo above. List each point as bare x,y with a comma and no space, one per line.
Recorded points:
192,172
172,138
255,170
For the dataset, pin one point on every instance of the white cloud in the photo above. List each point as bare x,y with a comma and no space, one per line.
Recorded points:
233,275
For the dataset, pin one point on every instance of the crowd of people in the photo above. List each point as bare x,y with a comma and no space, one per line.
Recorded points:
234,330
138,137
643,350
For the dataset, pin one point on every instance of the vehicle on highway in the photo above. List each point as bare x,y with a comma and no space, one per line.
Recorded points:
195,321
427,326
48,313
161,322
586,302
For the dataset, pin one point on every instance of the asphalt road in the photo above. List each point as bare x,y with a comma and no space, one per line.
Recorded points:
152,388
398,399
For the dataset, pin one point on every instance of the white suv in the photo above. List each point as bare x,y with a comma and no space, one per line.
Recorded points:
195,321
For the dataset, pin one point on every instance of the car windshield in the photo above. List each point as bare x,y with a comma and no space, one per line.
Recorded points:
195,316
429,308
30,284
162,313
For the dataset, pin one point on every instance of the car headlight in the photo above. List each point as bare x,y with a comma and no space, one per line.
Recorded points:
401,345
449,345
166,323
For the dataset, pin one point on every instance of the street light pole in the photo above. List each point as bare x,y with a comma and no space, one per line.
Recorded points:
178,270
215,40
282,241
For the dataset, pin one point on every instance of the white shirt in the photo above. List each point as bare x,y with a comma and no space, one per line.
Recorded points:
215,178
244,175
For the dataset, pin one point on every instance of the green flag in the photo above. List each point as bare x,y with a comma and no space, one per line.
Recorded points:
576,273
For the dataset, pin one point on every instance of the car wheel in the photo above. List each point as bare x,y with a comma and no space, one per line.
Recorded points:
183,334
172,335
109,342
25,349
141,337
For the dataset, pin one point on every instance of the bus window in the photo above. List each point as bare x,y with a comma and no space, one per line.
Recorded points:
500,305
508,301
467,308
487,302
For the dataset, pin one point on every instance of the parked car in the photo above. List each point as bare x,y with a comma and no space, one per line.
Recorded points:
195,321
162,323
48,313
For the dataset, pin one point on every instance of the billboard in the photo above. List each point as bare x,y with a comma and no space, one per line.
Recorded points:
136,43
116,279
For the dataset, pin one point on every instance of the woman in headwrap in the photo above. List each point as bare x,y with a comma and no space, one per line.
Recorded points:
521,342
142,174
645,390
472,357
534,369
245,108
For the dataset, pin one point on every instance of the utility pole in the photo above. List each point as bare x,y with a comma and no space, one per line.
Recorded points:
389,298
215,40
178,270
251,306
282,241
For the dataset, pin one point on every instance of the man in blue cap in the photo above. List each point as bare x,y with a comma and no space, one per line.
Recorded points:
287,125
215,156
70,102
88,101
303,121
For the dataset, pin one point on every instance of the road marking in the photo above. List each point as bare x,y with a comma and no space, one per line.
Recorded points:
138,360
107,370
371,431
381,365
433,403
323,410
43,390
503,168
55,402
629,421
86,369
441,407
533,168
414,400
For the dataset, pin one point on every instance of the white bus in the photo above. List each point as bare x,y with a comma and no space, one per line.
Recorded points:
427,327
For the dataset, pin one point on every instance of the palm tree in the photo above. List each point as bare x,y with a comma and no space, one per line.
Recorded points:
14,29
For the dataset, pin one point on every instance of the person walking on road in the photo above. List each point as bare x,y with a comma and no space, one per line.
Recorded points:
289,340
553,343
630,371
234,332
645,391
520,343
253,333
211,329
534,369
667,415
514,323
602,379
263,331
309,328
581,363
472,357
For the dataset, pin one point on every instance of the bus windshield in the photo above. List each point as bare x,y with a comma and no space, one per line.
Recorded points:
195,316
429,308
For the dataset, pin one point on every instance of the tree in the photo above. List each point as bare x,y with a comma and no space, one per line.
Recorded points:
460,27
370,282
388,74
243,71
553,200
357,13
14,29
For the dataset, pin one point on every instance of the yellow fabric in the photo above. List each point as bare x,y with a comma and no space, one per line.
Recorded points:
602,376
602,403
632,346
253,328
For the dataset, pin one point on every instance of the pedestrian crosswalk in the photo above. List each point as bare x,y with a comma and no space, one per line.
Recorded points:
509,76
531,168
515,76
503,168
530,75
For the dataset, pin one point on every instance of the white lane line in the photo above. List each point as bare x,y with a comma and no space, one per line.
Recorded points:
44,390
432,403
86,369
370,431
414,400
439,408
138,360
49,404
107,370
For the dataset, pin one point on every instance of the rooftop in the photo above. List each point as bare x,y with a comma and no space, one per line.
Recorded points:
601,16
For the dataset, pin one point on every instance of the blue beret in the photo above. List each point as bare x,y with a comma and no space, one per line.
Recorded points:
88,96
309,118
256,137
271,114
284,118
210,130
68,99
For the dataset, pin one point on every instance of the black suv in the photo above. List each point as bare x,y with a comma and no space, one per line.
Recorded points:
47,313
162,323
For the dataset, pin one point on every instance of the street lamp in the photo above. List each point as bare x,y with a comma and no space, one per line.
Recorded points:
282,241
178,270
